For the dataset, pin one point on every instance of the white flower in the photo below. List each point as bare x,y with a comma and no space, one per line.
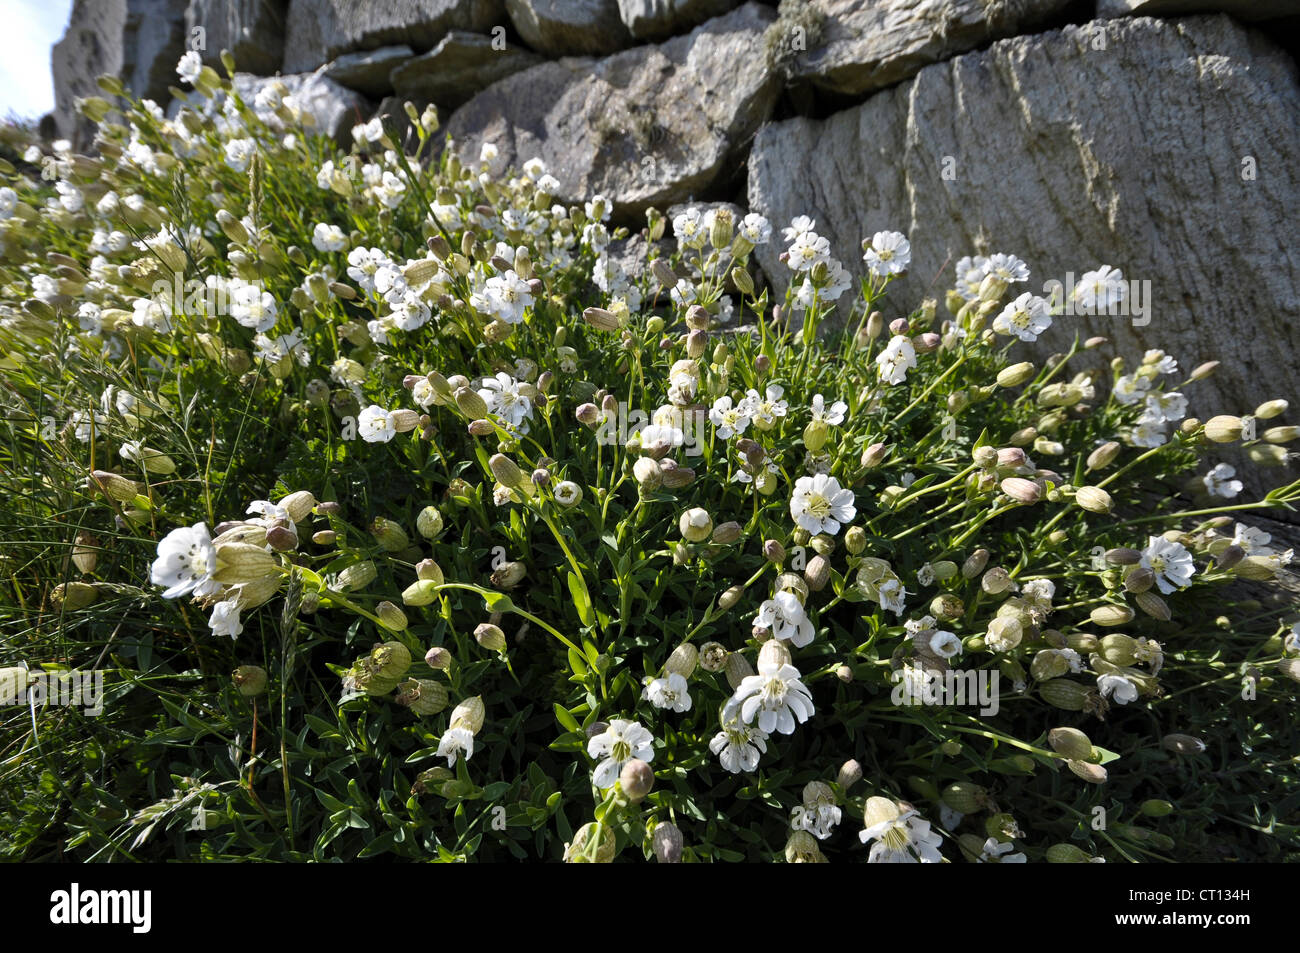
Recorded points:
670,691
945,644
503,397
1254,542
376,425
1167,407
799,225
817,819
995,852
185,564
618,744
690,228
1117,687
1026,318
1100,290
834,414
488,152
1219,481
775,696
328,237
1291,644
225,619
764,410
189,67
970,272
239,152
252,307
785,615
906,838
755,229
8,202
1006,268
1147,432
819,504
809,249
1162,362
889,253
729,420
682,293
454,742
738,746
896,360
1171,563
568,493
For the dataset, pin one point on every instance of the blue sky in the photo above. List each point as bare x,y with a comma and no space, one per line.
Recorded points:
31,27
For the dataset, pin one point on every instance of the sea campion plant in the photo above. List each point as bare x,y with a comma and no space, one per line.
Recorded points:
523,543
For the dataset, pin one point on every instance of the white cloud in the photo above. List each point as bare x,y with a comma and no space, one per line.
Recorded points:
29,29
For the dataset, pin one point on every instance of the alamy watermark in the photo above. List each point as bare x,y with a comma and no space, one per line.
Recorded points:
956,687
71,689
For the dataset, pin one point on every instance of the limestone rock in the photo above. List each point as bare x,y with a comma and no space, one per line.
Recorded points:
319,30
569,27
461,65
368,71
652,125
1243,9
854,48
659,19
252,30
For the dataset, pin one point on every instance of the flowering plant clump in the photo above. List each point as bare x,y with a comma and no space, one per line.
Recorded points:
522,545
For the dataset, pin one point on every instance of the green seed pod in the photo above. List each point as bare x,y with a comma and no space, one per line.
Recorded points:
966,797
1064,694
250,680
683,660
429,522
1156,808
1092,773
1118,649
1066,854
592,843
1153,605
1111,614
423,696
392,618
1071,743
490,637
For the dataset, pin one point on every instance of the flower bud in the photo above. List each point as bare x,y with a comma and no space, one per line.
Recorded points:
726,533
1139,579
695,525
1016,374
490,637
1224,428
1094,499
874,455
1022,490
648,474
1271,408
428,523
437,658
636,779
